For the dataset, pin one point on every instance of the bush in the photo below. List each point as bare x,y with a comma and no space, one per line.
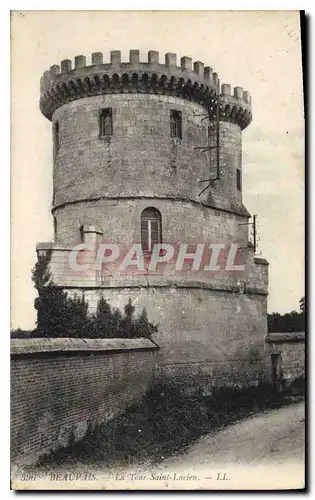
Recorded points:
59,315
21,334
296,387
108,323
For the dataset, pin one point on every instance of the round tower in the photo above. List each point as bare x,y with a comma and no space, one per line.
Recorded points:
134,144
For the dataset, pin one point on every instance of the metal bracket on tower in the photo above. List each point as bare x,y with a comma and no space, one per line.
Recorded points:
213,115
254,230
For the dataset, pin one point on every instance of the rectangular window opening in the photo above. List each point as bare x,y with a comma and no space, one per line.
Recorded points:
56,138
238,179
176,123
150,234
106,122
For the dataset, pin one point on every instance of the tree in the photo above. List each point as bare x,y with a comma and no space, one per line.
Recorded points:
289,322
40,273
302,305
128,324
103,324
118,330
143,327
78,320
57,314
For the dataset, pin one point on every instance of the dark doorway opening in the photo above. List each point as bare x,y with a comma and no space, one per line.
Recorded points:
276,371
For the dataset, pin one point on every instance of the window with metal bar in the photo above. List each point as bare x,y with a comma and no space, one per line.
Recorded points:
238,179
176,123
106,122
81,234
151,228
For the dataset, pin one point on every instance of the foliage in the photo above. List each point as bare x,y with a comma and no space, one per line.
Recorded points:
59,315
108,323
18,333
143,327
302,305
164,423
290,322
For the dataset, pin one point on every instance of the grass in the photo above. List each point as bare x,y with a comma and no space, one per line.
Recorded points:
167,421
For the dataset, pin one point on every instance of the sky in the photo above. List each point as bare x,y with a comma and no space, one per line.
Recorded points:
259,51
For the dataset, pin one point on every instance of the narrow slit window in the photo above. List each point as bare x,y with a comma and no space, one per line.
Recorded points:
56,138
176,124
55,229
238,179
81,234
151,229
106,122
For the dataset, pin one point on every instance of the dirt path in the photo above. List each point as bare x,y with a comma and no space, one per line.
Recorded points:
262,452
265,451
274,437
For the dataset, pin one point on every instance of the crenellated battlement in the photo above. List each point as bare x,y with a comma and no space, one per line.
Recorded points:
235,107
193,81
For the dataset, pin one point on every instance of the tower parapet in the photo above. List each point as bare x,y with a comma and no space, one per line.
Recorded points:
236,107
193,81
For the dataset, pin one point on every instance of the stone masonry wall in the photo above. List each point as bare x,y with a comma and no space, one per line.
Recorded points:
205,318
140,159
293,360
60,388
178,226
291,349
213,330
119,221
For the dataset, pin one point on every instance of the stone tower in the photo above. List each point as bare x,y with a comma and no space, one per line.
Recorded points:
127,166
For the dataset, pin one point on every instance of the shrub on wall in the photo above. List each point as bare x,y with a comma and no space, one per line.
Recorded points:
61,316
57,314
111,323
18,333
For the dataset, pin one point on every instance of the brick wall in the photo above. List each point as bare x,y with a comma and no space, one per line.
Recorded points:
62,387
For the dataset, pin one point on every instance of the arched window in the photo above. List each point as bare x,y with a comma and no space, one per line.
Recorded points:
151,228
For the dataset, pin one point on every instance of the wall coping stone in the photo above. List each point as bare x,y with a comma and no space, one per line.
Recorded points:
28,346
285,337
